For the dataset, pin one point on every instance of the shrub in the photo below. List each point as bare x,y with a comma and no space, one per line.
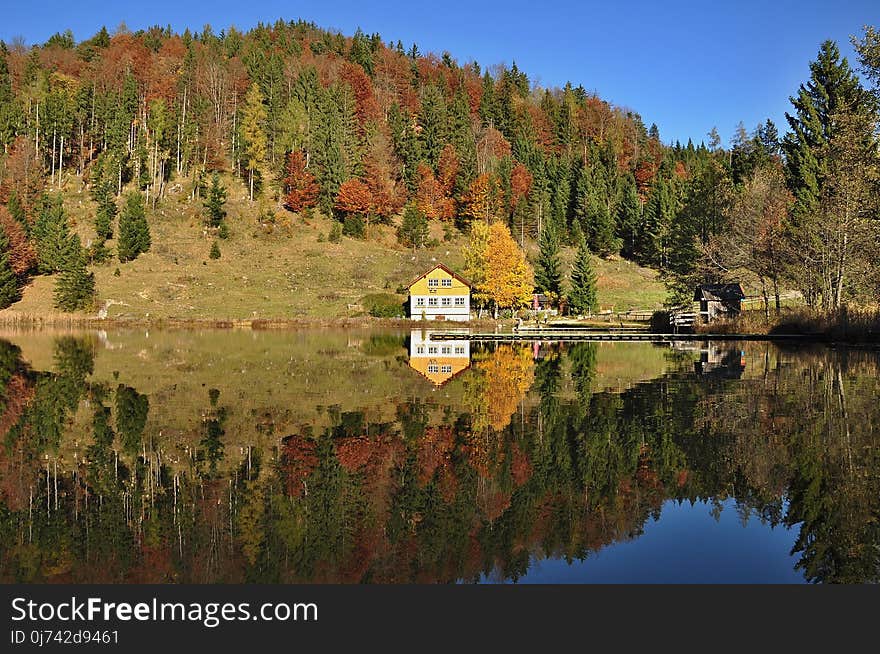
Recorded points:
223,231
353,226
384,305
215,250
335,233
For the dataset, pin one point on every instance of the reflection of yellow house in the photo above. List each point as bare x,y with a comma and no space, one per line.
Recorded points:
440,294
438,361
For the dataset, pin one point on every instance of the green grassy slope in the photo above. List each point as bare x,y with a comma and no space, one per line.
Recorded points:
282,270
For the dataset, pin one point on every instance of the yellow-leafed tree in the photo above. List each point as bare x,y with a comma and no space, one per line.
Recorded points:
475,262
253,134
509,279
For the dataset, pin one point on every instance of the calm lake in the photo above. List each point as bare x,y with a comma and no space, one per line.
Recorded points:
389,457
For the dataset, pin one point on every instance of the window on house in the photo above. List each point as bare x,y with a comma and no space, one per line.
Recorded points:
459,301
445,350
420,349
420,301
445,368
459,349
433,283
432,349
446,301
433,368
447,283
432,302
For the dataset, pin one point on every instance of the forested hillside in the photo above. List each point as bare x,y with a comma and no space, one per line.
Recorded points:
153,133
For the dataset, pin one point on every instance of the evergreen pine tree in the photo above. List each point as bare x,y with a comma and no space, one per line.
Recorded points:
361,52
134,232
629,214
832,91
832,88
432,120
215,250
16,210
583,294
214,203
75,286
592,209
413,230
9,291
52,236
548,272
103,183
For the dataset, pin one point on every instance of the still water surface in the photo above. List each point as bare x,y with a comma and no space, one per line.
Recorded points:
380,457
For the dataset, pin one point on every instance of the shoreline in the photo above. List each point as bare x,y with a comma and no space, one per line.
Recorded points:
62,322
256,324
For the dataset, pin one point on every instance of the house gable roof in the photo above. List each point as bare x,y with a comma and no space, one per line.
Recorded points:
719,293
444,267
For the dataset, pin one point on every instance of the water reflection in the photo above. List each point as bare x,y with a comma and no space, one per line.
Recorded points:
436,358
323,457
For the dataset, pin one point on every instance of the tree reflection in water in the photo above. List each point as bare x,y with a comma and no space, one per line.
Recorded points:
525,457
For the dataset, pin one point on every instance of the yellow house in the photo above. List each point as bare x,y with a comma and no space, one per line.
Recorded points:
440,294
438,361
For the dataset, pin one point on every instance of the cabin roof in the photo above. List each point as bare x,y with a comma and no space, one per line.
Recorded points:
719,293
444,267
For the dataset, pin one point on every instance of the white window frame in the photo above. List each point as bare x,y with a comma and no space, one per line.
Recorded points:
433,283
446,301
432,302
459,301
446,283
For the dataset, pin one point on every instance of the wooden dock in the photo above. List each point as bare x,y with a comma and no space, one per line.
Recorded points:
572,335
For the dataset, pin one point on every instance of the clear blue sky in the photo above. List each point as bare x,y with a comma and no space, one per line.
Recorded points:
685,65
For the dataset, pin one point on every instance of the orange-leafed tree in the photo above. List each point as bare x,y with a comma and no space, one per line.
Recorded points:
354,198
431,198
510,280
386,197
480,200
447,169
302,189
22,257
520,183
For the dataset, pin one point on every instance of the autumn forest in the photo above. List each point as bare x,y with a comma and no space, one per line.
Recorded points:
127,129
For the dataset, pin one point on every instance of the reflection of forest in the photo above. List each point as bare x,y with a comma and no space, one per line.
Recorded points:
529,461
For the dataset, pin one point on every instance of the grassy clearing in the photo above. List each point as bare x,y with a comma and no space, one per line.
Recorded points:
283,268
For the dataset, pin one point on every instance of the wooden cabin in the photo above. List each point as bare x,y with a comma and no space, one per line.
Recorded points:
719,300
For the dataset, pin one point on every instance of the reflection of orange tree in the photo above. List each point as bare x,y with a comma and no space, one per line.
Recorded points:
497,385
493,392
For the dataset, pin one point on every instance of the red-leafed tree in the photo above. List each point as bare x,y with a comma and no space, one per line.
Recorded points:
300,185
447,169
354,198
380,176
520,183
431,197
22,257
